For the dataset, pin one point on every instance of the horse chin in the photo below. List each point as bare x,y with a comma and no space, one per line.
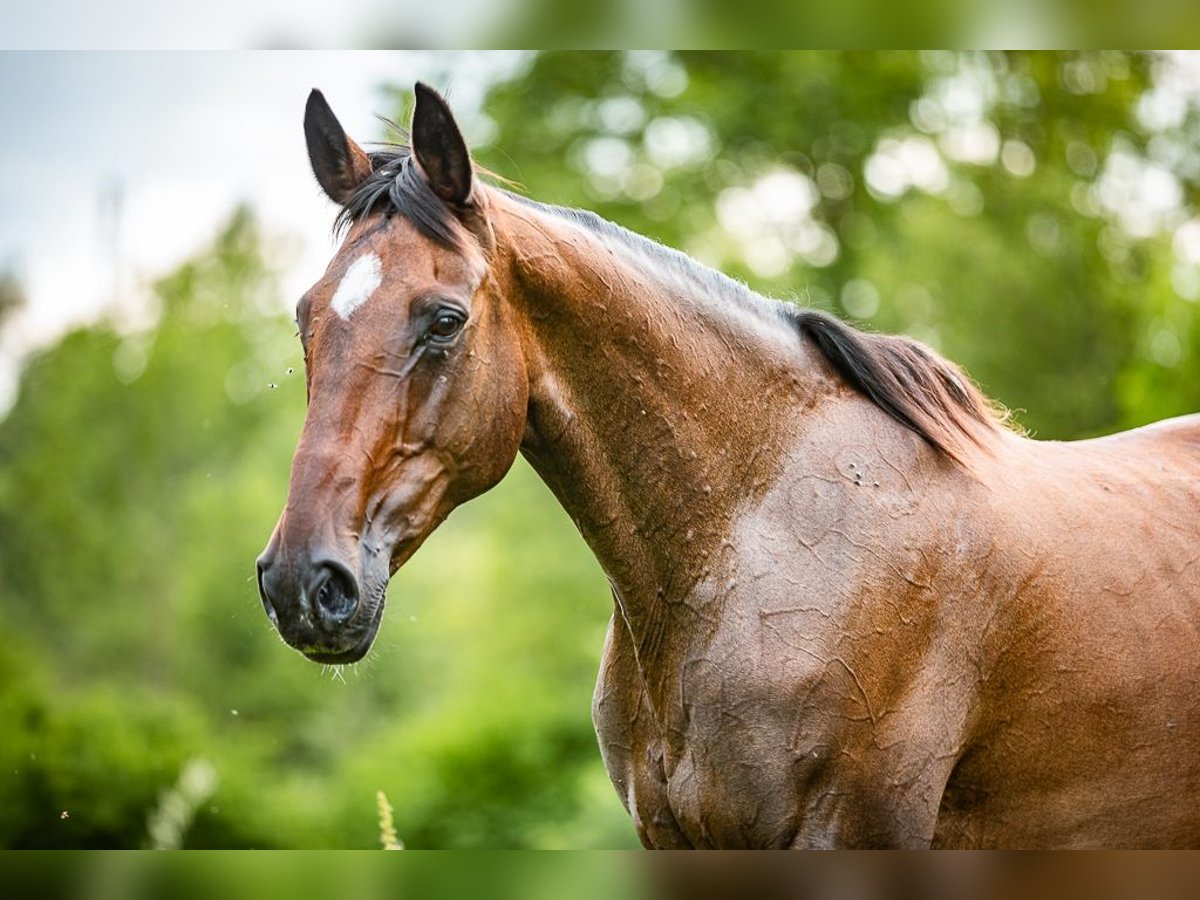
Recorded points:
343,658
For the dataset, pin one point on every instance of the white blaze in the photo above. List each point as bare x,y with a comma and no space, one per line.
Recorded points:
358,284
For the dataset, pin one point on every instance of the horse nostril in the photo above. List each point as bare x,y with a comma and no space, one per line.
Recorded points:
336,594
261,566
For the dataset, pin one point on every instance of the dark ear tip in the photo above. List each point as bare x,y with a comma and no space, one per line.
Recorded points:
427,96
316,105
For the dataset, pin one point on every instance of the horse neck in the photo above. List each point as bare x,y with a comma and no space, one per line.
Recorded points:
660,399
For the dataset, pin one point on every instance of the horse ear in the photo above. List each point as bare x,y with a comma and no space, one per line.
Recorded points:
339,164
439,147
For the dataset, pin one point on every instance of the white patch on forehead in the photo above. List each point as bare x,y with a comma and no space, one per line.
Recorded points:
358,284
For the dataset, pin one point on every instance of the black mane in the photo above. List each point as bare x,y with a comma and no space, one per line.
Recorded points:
919,389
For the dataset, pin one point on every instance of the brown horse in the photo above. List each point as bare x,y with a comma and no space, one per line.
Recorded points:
851,607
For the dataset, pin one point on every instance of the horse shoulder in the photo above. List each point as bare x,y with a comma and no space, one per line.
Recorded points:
828,670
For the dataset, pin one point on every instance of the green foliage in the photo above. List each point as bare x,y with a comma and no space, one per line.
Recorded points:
82,769
1001,255
140,473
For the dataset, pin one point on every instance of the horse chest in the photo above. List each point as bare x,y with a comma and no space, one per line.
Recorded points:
702,786
766,733
713,783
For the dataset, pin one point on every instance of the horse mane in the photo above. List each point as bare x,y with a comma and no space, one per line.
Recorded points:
919,389
922,391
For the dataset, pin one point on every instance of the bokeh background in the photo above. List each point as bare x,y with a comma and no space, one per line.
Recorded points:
1034,216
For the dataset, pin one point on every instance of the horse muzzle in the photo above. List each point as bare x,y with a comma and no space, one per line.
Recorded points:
315,603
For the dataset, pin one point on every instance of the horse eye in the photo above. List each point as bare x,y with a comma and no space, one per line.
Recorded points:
445,326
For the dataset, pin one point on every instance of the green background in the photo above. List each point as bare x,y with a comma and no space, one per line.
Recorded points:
1026,214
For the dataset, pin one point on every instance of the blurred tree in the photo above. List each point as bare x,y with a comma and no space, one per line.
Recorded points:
12,297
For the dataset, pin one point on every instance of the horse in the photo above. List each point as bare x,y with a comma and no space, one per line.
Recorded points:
852,607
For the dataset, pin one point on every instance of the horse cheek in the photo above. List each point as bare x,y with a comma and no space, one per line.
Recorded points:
490,434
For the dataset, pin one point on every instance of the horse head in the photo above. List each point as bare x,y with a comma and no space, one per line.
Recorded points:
417,389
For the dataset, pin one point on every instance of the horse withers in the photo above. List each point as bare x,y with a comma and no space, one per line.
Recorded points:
851,607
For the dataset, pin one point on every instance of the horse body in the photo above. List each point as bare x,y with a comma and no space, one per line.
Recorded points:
849,608
828,634
1089,736
861,685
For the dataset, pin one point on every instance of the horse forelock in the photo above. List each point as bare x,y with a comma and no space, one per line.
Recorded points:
396,185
